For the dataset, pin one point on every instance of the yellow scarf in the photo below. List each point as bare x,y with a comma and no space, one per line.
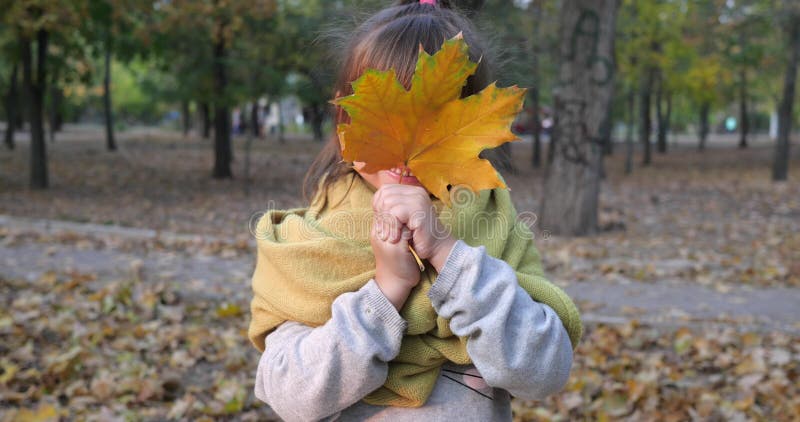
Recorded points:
309,256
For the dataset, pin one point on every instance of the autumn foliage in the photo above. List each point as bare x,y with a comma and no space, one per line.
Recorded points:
429,129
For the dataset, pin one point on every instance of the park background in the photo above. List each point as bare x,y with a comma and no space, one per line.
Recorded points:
141,137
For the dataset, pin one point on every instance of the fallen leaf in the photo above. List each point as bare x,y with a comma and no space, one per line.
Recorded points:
43,413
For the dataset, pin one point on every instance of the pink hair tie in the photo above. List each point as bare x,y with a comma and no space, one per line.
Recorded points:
431,2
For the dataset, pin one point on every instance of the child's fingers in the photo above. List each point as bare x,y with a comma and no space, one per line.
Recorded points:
387,227
404,212
374,231
395,229
392,194
377,227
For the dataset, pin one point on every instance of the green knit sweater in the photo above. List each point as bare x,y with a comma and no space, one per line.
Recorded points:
307,257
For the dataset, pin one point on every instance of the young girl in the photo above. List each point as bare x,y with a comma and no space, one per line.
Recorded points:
348,326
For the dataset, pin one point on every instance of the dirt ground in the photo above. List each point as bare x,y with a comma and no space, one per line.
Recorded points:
148,321
712,217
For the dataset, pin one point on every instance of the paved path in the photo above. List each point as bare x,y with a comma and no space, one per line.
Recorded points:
212,277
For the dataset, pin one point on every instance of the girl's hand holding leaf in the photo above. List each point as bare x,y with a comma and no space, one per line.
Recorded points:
410,207
396,271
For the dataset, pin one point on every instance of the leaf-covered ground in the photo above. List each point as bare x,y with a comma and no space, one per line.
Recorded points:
80,347
104,327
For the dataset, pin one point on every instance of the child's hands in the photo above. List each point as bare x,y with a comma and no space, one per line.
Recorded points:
396,271
412,207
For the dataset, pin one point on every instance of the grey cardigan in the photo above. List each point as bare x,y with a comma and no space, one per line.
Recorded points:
518,347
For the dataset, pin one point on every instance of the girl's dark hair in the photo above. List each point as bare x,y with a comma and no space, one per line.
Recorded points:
390,39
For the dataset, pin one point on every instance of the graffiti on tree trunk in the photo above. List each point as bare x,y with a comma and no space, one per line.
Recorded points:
587,30
571,130
582,59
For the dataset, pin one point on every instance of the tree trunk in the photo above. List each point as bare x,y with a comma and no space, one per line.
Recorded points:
35,86
551,147
55,110
247,148
663,116
536,129
536,124
608,121
51,115
23,105
223,154
12,102
744,125
606,128
780,167
572,183
186,118
22,113
316,121
645,121
629,131
205,116
705,110
58,117
111,144
501,157
281,139
254,119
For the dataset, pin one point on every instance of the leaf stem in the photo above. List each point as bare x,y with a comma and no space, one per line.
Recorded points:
410,248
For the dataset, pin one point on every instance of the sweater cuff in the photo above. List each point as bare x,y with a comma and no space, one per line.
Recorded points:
451,270
378,303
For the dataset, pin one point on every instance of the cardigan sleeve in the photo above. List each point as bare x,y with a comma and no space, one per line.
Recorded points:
310,373
516,343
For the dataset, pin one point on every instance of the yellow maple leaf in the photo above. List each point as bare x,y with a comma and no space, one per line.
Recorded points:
429,129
